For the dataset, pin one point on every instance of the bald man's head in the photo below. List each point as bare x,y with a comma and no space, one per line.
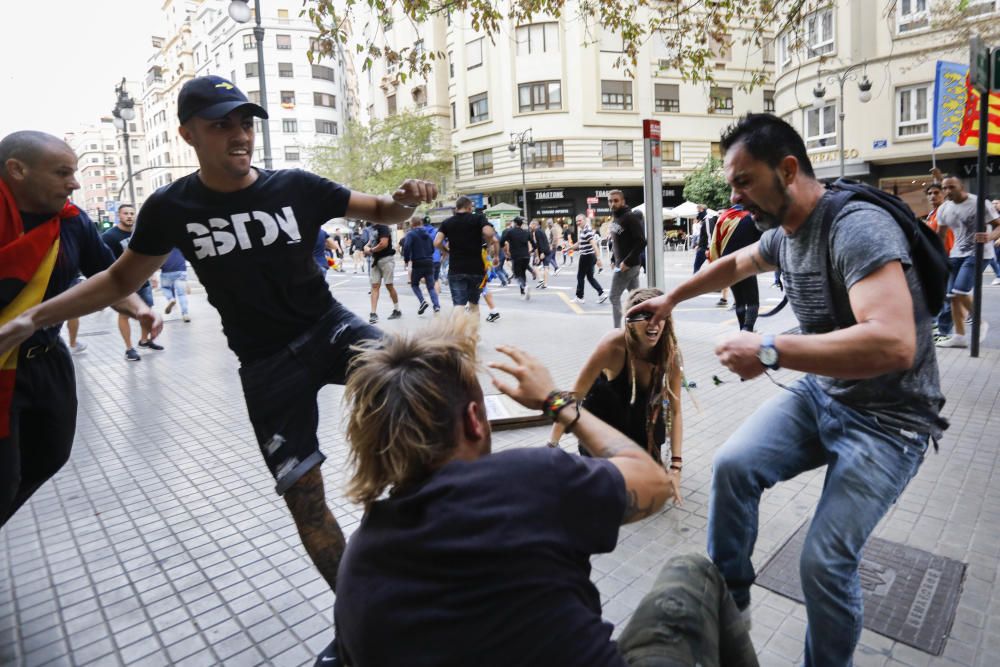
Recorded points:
39,170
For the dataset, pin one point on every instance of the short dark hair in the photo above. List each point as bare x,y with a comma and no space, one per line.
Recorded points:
933,186
125,205
768,139
616,192
462,202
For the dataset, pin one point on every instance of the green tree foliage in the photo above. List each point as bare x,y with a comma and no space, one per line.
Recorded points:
379,156
707,185
692,32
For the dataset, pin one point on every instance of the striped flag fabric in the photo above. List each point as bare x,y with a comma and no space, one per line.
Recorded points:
969,134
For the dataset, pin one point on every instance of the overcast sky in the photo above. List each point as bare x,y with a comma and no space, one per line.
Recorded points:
61,59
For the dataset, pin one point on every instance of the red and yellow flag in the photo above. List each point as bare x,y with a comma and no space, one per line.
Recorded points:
969,134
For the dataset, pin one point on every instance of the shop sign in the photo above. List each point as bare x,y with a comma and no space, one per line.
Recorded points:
552,211
833,156
549,194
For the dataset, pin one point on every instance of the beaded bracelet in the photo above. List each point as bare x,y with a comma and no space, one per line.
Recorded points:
556,401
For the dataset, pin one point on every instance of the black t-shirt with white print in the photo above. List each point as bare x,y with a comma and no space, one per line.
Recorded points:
252,250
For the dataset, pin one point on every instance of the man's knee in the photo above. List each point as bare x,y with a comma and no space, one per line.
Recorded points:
824,566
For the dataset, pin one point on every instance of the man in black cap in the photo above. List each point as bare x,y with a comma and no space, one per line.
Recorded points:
249,233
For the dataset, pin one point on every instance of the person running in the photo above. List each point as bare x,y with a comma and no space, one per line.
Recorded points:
516,242
589,251
173,283
418,257
542,252
249,233
628,240
382,270
45,244
358,250
632,381
117,239
465,233
432,233
735,230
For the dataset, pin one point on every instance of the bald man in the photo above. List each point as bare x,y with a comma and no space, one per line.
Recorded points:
45,242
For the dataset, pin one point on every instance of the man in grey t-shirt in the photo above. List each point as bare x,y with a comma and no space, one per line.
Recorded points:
870,403
958,213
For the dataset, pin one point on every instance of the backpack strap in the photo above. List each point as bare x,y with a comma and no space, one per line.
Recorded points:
836,199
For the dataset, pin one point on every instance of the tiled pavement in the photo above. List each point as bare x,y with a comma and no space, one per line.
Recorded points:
162,543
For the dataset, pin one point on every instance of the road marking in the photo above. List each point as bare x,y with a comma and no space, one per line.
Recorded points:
575,308
339,283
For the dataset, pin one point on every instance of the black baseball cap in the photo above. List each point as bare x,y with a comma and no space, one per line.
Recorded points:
212,97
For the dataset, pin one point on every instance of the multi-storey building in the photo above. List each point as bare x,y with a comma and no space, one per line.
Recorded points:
307,103
887,140
557,78
102,173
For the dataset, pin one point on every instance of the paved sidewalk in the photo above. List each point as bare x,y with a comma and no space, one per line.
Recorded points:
162,542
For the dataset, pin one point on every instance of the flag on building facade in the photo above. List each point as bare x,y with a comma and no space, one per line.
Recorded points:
969,134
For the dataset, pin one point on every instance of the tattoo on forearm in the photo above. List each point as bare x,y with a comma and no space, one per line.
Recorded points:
609,448
633,510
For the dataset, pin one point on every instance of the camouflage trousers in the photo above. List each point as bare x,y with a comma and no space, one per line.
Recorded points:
687,620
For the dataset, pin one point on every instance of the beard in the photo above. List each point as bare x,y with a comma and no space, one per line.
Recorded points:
765,220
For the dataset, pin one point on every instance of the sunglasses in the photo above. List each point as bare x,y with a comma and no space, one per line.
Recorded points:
639,317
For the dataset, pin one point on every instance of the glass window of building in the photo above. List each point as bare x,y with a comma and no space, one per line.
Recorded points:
913,110
283,19
288,98
474,53
821,126
819,33
482,162
321,72
325,100
326,127
539,95
537,38
285,70
254,96
251,70
670,153
616,153
479,108
912,15
249,43
715,150
545,154
283,42
667,97
722,101
289,125
390,104
292,153
616,95
768,101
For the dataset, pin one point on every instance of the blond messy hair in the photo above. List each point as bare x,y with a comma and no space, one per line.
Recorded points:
405,396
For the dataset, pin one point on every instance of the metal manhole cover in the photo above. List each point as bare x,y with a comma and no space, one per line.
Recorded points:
910,595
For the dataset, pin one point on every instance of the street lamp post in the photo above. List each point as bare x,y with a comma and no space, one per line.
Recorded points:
239,11
840,78
123,112
517,142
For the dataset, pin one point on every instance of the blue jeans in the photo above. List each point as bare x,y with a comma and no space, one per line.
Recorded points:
868,466
173,284
424,270
464,288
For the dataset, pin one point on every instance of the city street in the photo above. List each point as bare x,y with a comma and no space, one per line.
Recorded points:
163,542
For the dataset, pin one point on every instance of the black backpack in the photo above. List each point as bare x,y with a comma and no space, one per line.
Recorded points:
927,253
926,250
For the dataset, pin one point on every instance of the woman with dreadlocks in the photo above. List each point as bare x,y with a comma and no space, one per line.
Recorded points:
633,382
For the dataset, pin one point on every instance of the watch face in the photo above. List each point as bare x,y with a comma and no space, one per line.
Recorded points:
768,356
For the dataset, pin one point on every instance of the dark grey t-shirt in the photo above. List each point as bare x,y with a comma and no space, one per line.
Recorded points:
863,238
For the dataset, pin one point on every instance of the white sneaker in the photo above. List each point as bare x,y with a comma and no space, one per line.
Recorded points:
983,328
996,281
603,297
953,341
577,299
78,348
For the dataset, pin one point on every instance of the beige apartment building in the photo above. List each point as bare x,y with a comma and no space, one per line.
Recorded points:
556,78
887,141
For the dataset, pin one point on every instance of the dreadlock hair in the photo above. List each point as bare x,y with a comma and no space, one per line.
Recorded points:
665,357
405,395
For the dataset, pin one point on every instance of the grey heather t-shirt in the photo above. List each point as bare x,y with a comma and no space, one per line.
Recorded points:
961,219
863,238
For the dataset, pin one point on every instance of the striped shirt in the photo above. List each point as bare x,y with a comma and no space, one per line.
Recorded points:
586,244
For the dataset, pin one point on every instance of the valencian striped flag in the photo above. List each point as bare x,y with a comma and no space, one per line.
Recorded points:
950,94
969,134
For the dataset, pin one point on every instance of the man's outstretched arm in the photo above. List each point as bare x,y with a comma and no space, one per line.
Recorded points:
113,286
391,208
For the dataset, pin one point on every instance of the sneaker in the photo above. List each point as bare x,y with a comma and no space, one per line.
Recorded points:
186,317
953,341
722,302
577,299
150,345
132,355
395,314
940,337
423,308
437,310
996,281
555,272
543,286
968,321
372,318
78,348
983,328
603,297
493,317
170,306
540,284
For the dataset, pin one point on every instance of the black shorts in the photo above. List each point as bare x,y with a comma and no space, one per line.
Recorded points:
281,390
